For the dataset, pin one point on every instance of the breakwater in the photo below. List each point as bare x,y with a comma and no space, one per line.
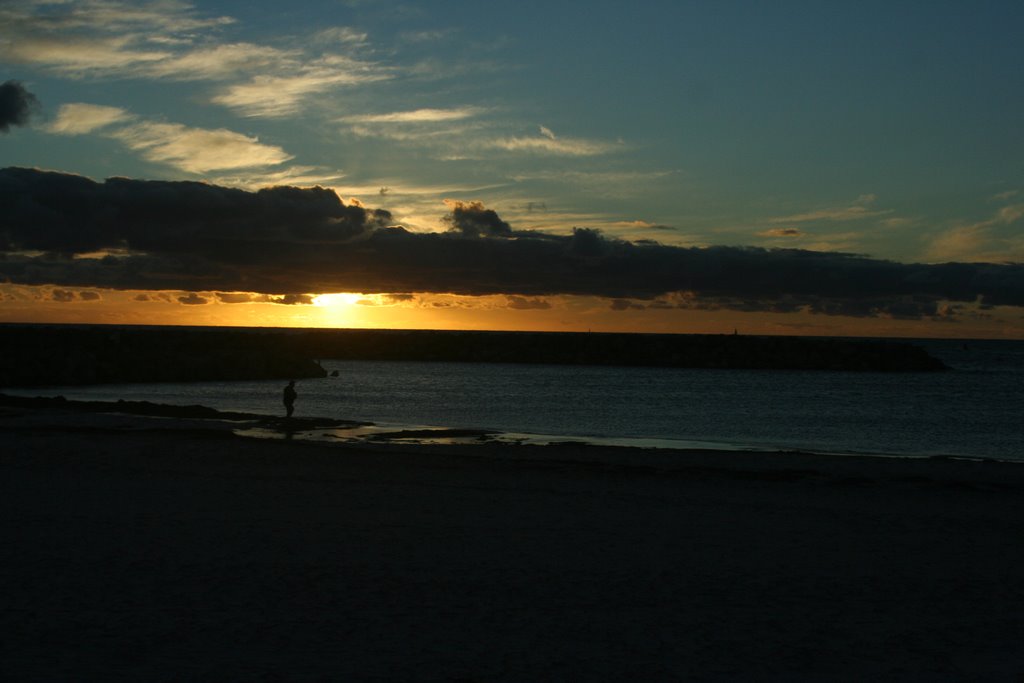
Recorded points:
584,348
83,354
33,355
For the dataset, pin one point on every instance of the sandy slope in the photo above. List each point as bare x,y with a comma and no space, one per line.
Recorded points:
183,554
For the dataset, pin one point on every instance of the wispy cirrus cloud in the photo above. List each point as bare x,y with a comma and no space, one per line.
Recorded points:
278,95
448,131
427,36
170,16
548,143
173,40
463,133
457,140
97,37
859,209
198,150
80,118
79,56
190,149
216,62
299,176
344,35
466,132
426,115
995,240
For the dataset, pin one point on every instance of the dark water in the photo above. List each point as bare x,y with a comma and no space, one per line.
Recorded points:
975,410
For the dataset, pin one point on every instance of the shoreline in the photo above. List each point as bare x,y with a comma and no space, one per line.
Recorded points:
163,548
342,431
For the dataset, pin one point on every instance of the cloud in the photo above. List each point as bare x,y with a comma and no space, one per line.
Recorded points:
575,147
115,16
416,116
99,38
452,142
275,96
153,296
236,297
781,232
78,56
193,150
171,40
473,219
467,136
341,34
193,299
899,222
80,118
426,36
292,300
17,105
220,61
198,150
250,298
282,241
68,214
451,133
858,210
626,305
303,176
66,296
645,225
522,303
997,239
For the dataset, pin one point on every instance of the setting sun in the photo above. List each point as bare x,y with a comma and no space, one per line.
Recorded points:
337,300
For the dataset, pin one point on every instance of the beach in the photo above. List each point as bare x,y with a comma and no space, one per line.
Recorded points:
161,548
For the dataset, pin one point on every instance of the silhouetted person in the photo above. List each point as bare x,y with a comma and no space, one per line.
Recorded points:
289,398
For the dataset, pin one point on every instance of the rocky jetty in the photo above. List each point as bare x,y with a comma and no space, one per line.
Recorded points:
52,354
36,355
583,348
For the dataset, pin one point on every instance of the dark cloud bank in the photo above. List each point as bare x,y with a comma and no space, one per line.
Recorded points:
284,242
17,105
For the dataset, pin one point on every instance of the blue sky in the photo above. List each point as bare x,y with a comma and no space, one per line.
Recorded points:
885,129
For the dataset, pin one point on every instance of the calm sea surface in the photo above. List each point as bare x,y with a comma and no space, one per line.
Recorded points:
975,410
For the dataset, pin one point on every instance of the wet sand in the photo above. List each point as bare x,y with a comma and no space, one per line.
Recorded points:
146,548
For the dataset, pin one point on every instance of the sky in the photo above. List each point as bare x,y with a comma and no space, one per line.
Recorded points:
768,168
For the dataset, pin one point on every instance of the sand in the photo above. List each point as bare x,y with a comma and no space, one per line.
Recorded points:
156,549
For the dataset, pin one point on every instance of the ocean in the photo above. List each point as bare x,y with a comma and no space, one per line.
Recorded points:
974,410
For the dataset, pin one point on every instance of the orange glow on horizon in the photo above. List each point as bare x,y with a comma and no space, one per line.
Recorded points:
48,304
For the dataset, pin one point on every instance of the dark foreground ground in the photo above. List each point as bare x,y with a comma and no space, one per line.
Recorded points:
157,549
